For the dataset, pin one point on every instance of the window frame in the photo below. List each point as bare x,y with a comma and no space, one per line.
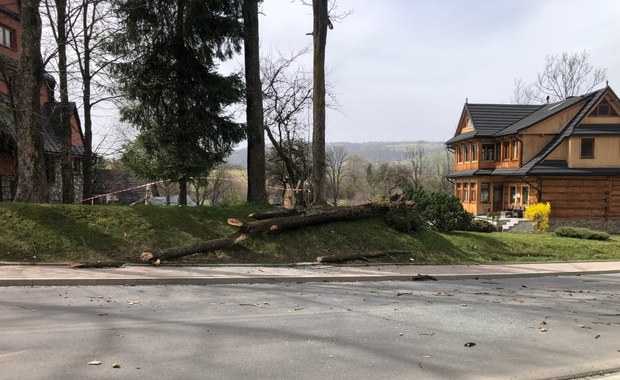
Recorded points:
4,31
488,152
485,193
581,148
525,195
465,192
472,192
514,147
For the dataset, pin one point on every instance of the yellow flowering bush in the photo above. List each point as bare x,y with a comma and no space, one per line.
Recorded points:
538,214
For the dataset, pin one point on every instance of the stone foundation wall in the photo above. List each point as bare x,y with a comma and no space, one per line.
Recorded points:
610,226
55,188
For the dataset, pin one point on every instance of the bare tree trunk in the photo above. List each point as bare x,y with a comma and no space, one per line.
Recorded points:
254,109
66,161
320,16
87,164
31,181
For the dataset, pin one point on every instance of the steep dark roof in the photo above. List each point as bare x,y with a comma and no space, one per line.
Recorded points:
489,119
12,63
560,167
50,113
544,112
597,129
51,116
461,137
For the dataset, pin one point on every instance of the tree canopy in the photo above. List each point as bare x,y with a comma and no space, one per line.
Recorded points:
563,76
175,96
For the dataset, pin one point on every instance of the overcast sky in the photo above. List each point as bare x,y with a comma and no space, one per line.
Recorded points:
402,69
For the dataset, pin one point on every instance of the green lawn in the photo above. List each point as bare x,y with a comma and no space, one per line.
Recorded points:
65,233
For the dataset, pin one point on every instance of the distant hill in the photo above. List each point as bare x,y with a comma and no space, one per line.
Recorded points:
377,152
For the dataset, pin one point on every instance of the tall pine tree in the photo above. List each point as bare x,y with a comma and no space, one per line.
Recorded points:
175,96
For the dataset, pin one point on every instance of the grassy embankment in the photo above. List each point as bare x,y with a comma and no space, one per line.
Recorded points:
64,233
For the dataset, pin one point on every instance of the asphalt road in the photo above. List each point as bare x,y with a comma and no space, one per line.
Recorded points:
520,328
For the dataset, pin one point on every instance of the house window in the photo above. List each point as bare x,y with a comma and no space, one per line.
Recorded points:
488,152
466,153
515,150
506,150
587,148
514,196
460,155
498,149
484,193
7,37
472,192
525,195
465,193
458,191
474,152
604,109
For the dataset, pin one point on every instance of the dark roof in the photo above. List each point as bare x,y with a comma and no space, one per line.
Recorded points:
12,63
51,116
50,113
461,137
494,120
489,119
8,62
462,173
7,11
597,129
546,168
560,167
544,112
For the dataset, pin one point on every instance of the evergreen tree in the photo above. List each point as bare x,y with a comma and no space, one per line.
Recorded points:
168,75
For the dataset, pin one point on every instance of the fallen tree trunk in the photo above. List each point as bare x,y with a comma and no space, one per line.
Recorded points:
301,218
314,216
358,256
186,250
276,214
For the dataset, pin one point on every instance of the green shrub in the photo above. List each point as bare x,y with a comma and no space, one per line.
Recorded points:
406,221
581,233
440,210
479,225
538,214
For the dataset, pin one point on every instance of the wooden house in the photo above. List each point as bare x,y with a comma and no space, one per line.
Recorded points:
10,37
507,156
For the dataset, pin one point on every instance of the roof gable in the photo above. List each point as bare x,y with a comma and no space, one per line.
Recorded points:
593,99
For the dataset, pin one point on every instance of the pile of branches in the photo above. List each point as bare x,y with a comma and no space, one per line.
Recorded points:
279,220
